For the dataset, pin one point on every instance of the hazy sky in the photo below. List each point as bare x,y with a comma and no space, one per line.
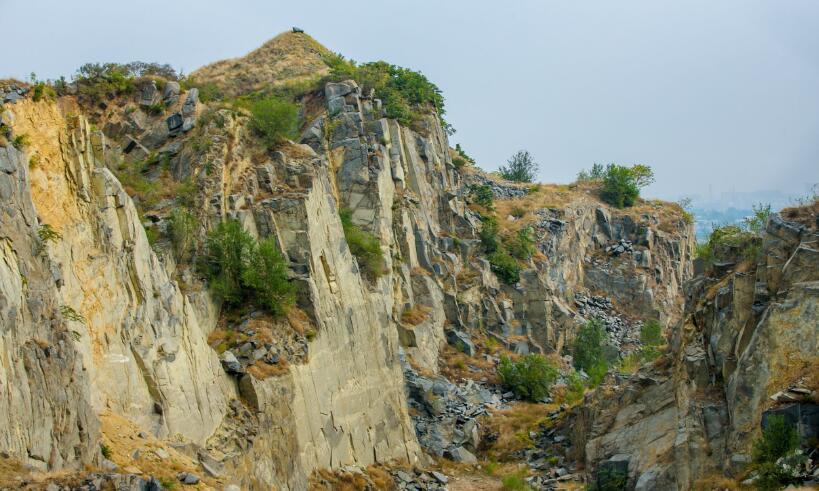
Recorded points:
720,93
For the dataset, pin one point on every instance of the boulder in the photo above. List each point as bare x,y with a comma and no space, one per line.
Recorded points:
171,93
462,341
460,454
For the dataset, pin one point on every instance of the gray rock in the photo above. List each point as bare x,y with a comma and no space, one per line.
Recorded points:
462,341
108,465
192,99
187,478
460,454
441,478
171,93
149,94
230,363
174,122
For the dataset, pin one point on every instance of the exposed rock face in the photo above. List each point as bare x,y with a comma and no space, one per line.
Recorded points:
98,320
747,335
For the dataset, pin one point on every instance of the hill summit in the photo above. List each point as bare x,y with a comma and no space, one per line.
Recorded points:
288,57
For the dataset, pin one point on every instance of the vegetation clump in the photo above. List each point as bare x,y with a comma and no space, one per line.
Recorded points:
521,167
182,226
462,159
274,120
529,377
651,338
482,195
406,95
775,454
364,246
505,267
590,351
239,268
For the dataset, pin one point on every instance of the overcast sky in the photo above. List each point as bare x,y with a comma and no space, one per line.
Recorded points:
710,93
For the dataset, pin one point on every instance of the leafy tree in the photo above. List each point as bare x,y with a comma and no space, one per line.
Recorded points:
365,246
588,347
275,120
266,276
521,167
619,187
530,377
228,248
642,174
778,439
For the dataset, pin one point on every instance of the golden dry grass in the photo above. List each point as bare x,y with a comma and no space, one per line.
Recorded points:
287,58
513,426
415,315
805,214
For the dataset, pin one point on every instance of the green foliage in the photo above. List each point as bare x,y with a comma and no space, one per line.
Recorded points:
182,226
522,244
643,175
20,141
228,250
72,315
46,234
462,159
482,195
651,334
42,90
574,387
505,267
587,350
241,269
521,167
756,223
611,479
98,82
266,276
489,234
275,120
530,377
105,450
514,482
406,95
596,173
365,247
777,440
208,91
620,187
728,242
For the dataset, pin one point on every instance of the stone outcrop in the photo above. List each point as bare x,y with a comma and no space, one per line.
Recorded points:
96,319
749,334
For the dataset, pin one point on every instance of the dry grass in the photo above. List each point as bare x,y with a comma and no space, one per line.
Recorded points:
415,315
261,370
716,482
287,58
374,478
513,426
805,214
299,320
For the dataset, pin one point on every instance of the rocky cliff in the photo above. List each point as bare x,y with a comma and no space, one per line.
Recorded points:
746,348
111,337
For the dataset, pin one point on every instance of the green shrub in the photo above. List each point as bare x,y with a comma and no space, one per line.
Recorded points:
521,167
482,195
463,155
530,377
514,482
42,90
239,269
587,350
406,95
266,277
619,186
208,91
364,246
611,479
574,387
105,450
274,120
759,219
98,82
651,336
597,173
729,242
522,244
777,440
182,226
228,250
20,141
505,267
489,234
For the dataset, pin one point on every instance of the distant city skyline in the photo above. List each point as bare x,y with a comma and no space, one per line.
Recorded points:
719,94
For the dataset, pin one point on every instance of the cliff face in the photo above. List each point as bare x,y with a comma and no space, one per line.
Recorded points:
749,334
99,325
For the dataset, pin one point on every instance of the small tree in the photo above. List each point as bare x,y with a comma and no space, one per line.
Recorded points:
596,173
182,227
588,348
266,276
642,174
489,234
275,120
619,186
505,267
651,336
521,168
365,246
227,252
482,195
522,244
530,377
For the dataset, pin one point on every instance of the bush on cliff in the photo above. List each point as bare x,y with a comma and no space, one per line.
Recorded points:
505,267
591,352
365,247
529,377
621,184
774,454
521,167
239,269
274,120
